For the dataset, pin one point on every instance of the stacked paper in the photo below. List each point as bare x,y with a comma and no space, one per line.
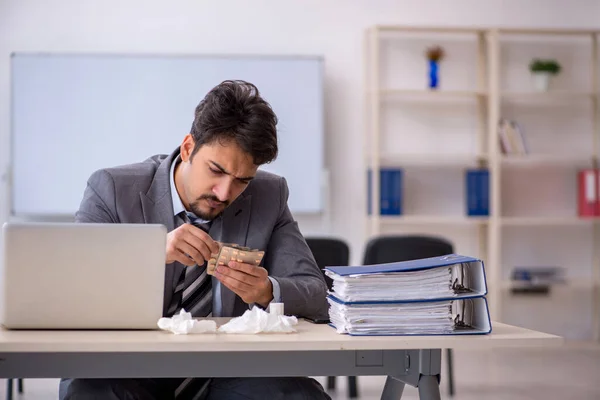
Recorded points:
407,318
438,295
390,286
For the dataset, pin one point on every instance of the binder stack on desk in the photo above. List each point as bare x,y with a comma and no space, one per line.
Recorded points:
431,296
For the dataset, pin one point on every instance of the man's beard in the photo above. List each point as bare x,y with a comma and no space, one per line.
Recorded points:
195,207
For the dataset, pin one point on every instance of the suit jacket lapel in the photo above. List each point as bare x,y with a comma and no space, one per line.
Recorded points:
157,207
231,227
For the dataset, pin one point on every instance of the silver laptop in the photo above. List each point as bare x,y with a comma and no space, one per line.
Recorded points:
82,276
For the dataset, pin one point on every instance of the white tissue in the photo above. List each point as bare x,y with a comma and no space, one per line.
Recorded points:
259,321
183,323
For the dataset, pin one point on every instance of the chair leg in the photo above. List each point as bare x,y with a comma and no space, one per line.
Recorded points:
9,389
450,372
352,387
331,383
20,385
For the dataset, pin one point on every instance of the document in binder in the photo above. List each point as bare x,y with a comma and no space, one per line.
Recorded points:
431,317
431,296
444,277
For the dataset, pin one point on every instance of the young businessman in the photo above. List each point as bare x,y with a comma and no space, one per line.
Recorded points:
208,190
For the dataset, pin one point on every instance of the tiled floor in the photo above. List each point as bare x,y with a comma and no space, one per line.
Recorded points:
570,372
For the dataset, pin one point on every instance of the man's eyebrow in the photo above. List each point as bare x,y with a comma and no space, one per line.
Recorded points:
223,170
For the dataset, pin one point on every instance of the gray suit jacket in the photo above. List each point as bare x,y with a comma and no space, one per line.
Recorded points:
259,218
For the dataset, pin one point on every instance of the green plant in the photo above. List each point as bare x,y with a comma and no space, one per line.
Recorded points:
540,65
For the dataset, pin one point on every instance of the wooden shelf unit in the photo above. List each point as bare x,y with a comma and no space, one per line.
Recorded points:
490,98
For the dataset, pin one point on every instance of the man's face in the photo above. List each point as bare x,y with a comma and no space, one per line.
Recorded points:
214,177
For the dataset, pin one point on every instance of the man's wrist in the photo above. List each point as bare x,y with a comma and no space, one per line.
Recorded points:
268,295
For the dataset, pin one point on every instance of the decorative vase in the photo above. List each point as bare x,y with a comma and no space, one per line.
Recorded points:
433,74
541,81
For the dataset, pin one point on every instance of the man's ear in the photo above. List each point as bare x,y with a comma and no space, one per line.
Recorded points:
187,148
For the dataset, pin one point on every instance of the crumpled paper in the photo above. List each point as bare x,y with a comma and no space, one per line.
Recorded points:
183,323
260,321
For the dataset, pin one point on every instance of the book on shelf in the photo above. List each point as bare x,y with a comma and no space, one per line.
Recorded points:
477,184
511,138
390,191
539,275
431,296
535,280
588,194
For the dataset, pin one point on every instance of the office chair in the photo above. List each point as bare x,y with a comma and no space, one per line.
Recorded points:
394,248
332,252
9,388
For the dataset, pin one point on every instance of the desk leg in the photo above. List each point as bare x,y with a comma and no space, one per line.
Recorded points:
429,388
422,370
9,389
430,367
393,389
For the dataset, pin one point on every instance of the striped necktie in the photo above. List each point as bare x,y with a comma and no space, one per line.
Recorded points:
193,293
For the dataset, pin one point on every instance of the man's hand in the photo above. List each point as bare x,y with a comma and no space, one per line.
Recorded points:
189,245
248,281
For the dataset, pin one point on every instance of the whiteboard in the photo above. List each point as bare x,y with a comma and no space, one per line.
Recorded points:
72,114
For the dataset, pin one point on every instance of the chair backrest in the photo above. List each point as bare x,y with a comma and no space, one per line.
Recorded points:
386,249
329,252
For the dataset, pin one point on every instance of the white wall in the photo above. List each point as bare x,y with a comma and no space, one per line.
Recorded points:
333,28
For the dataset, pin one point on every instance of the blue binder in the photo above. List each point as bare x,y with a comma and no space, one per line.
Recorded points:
472,318
381,299
390,191
477,192
470,283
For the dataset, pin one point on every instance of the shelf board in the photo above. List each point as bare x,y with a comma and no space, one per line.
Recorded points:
549,31
482,30
433,160
568,284
547,221
428,29
546,159
432,220
550,95
424,94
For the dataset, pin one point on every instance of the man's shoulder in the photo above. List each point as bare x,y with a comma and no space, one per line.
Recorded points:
148,166
135,174
271,190
267,180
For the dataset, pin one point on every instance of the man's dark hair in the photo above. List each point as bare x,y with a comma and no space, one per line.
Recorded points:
234,110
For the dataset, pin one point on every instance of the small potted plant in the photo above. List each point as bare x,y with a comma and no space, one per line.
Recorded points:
434,54
541,71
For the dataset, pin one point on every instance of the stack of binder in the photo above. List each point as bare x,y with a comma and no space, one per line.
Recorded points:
430,296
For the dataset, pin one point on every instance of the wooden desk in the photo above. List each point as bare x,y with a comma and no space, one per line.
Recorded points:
316,350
